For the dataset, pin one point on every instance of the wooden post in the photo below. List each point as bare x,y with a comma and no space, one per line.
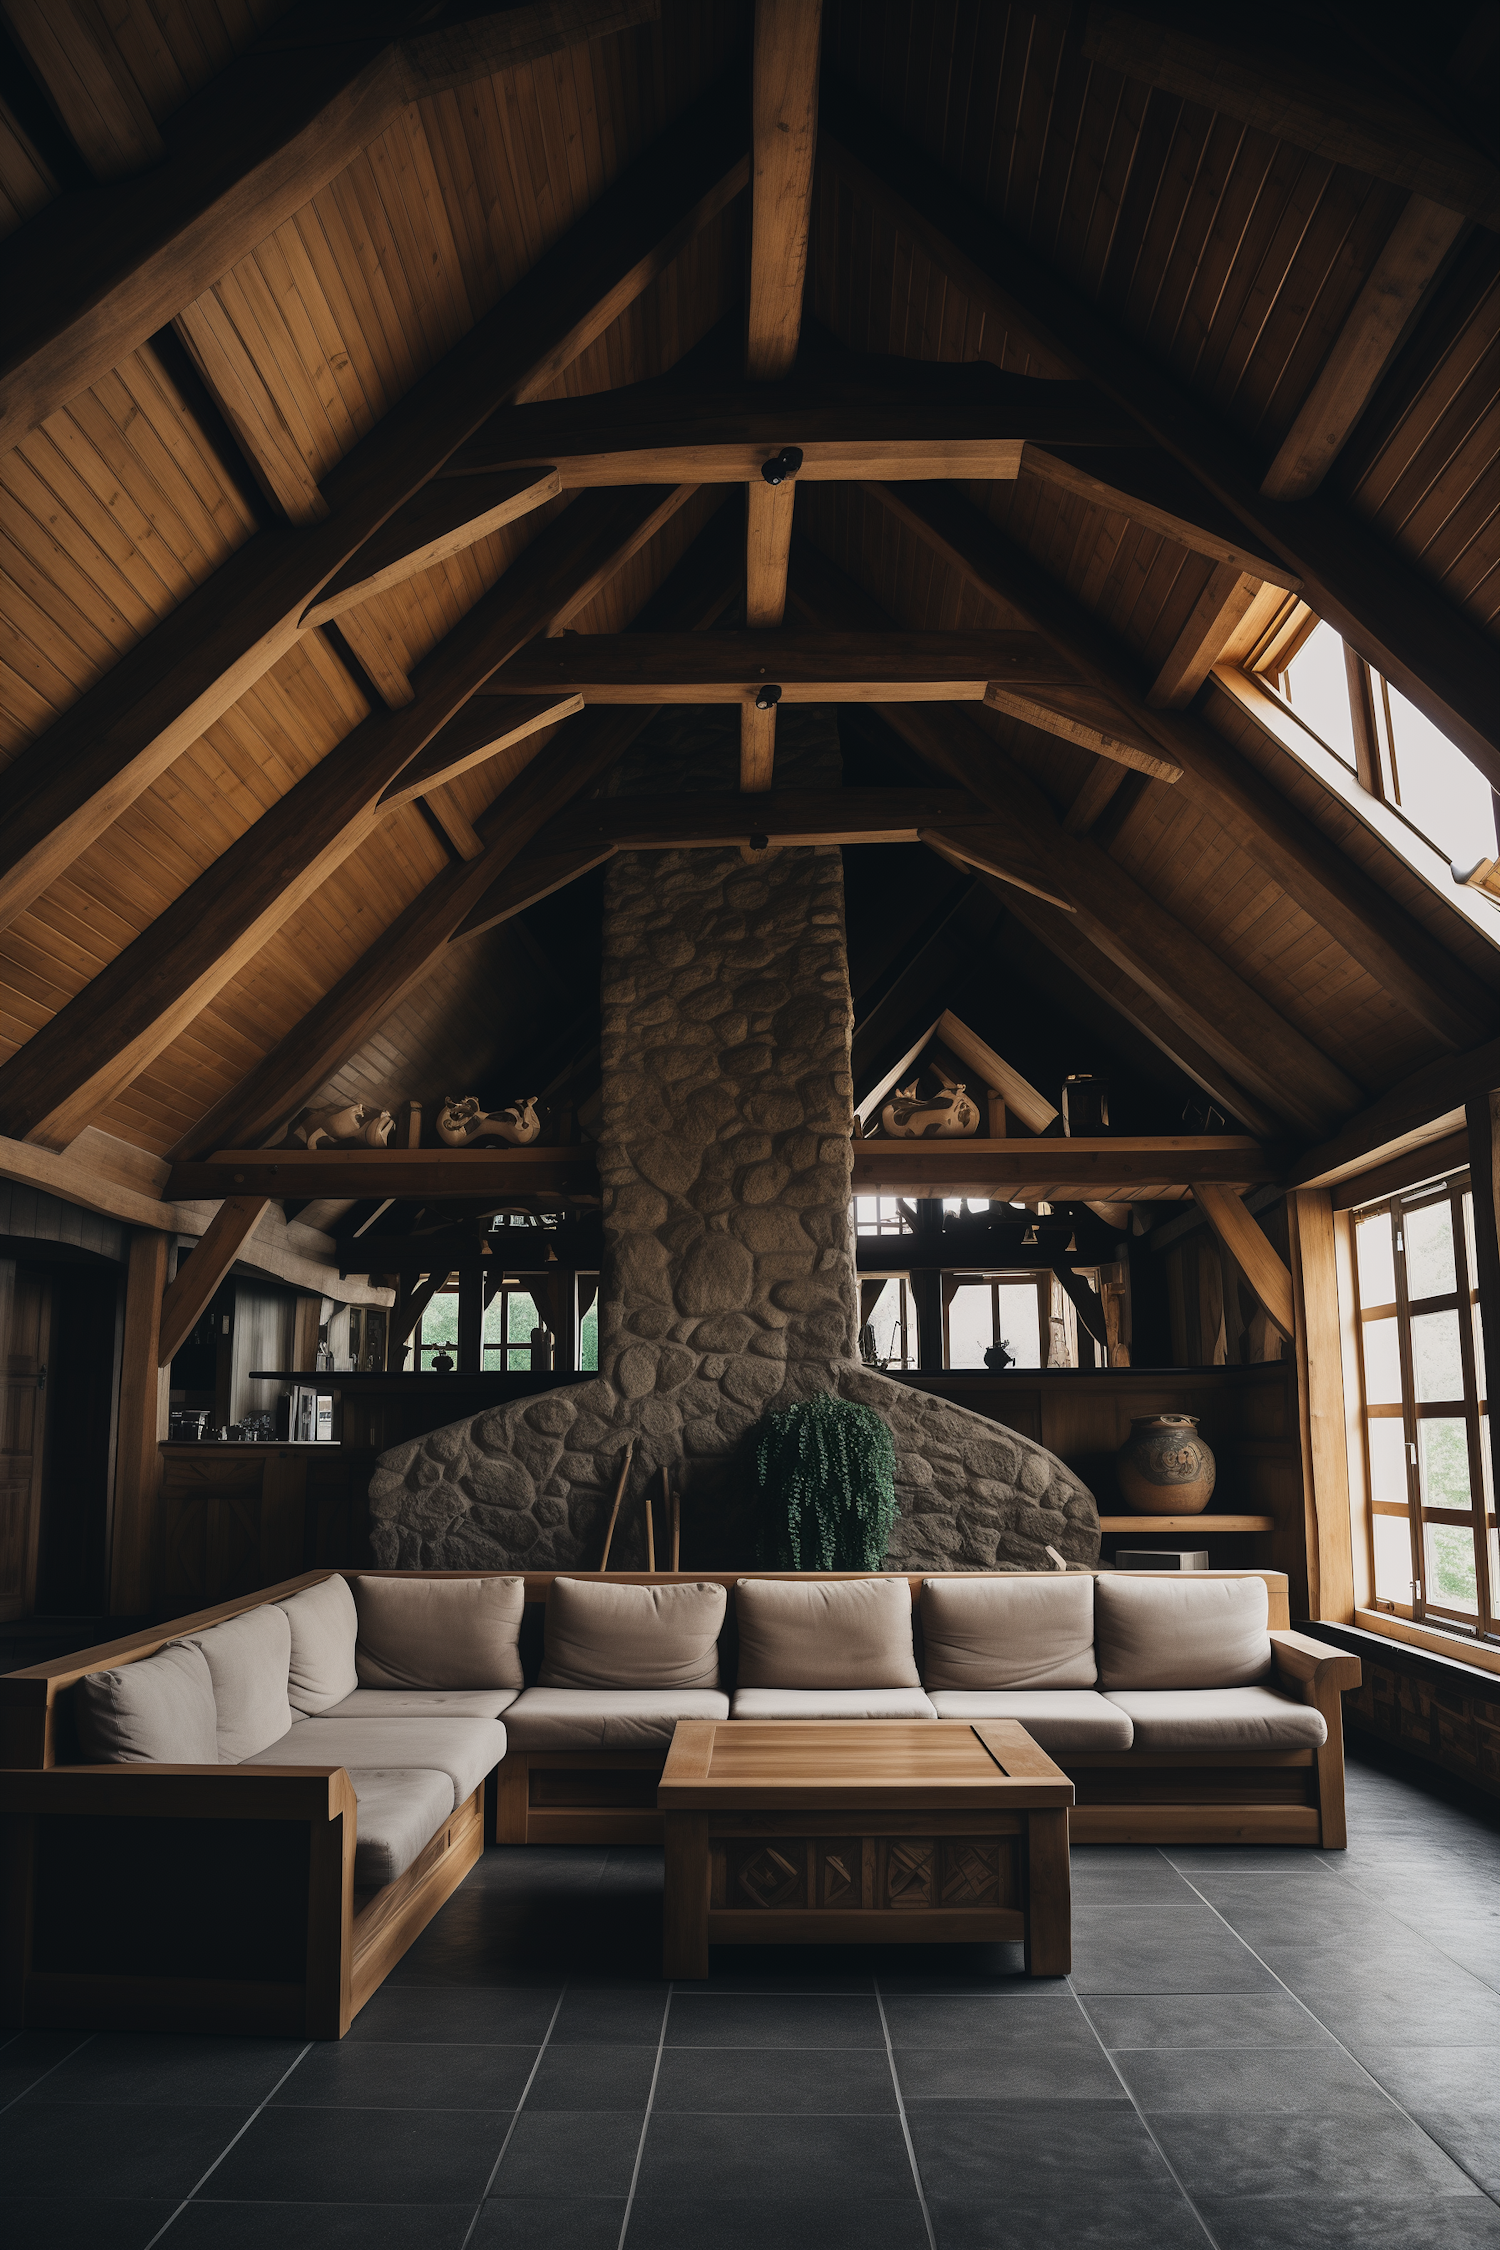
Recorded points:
1320,1395
471,1321
140,1428
305,1334
1482,1115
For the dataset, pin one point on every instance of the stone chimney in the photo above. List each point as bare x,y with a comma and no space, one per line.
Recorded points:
728,1280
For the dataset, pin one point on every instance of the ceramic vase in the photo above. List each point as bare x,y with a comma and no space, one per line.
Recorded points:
1164,1467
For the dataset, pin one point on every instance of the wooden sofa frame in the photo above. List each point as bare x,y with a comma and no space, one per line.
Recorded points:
227,1903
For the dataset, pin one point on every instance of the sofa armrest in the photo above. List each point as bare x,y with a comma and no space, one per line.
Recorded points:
1297,1656
186,1923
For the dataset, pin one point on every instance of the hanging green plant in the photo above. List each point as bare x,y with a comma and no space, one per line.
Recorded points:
826,1473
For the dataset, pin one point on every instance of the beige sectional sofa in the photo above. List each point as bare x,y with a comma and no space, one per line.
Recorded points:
241,1820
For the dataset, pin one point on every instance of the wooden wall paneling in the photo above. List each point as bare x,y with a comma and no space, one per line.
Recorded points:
141,1426
72,50
26,180
114,741
1320,1382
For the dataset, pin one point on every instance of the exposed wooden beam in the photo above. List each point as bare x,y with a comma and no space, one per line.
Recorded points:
1401,276
951,821
137,1005
783,141
852,417
1099,786
1423,1108
1344,116
1084,714
458,830
1223,604
808,667
218,350
785,133
444,517
1058,1171
1155,490
187,1296
1195,987
62,791
697,592
1391,612
1427,980
93,274
427,1174
482,730
73,52
1250,1249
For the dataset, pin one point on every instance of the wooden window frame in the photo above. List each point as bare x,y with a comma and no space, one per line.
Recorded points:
1482,1628
956,1278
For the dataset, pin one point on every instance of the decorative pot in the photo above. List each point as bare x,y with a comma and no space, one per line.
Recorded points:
1165,1468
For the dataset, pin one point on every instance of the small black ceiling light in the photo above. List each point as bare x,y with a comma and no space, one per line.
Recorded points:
782,465
767,698
760,843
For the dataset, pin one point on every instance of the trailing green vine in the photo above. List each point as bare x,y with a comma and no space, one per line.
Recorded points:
826,1473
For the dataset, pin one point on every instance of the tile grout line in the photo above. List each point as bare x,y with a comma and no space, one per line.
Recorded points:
1348,2052
46,2074
640,2146
515,2119
224,2151
1146,2124
911,2151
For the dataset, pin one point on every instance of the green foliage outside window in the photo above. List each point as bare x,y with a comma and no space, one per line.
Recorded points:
825,1470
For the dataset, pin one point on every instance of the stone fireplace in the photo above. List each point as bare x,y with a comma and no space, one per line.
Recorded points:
728,1281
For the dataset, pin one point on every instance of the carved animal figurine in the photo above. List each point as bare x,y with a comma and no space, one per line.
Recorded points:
946,1116
357,1126
463,1124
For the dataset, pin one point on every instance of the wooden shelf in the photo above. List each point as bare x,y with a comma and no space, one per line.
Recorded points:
1187,1523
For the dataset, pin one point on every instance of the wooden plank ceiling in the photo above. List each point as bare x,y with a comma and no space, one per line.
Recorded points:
1071,353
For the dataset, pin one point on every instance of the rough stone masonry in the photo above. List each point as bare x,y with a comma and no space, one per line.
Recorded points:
728,1282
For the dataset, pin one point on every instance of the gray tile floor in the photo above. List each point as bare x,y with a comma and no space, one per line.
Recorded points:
1256,2049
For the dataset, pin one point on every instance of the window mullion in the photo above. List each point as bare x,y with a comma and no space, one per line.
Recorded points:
1418,1586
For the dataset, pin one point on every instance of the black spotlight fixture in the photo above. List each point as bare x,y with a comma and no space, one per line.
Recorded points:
782,465
767,698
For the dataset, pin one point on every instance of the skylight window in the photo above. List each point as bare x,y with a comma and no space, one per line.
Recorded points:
1391,748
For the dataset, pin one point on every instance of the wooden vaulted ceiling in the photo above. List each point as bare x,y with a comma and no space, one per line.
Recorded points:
353,353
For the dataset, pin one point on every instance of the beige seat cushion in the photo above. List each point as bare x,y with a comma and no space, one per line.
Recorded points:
1181,1632
464,1749
423,1703
837,1633
1246,1718
830,1703
1008,1632
324,1624
401,1808
421,1632
249,1658
611,1636
159,1710
607,1718
1059,1719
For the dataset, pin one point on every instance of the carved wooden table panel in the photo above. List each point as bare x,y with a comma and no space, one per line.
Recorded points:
863,1831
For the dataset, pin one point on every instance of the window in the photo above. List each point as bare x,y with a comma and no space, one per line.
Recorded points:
1430,1506
436,1331
888,1322
1392,750
509,1318
981,1311
880,1214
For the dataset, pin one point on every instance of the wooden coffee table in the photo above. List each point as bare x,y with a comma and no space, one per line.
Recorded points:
861,1831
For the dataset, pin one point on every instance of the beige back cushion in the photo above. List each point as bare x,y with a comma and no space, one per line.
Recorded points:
1008,1632
249,1659
161,1709
842,1633
324,1624
611,1636
1181,1632
417,1632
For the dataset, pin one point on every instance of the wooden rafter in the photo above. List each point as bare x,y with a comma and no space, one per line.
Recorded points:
482,730
445,517
1412,966
696,593
1186,977
1386,608
1266,1273
93,275
188,1295
1153,489
78,777
136,1006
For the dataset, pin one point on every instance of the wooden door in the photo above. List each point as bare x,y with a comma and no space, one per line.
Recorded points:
25,1326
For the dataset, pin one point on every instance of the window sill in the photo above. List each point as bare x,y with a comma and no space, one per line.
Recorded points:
1480,1655
1424,859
